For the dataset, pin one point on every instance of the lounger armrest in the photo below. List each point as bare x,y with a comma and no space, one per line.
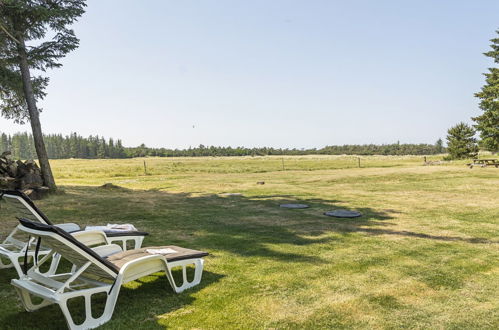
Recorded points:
69,227
141,267
91,237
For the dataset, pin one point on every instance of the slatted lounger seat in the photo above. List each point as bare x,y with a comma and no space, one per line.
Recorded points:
13,248
94,273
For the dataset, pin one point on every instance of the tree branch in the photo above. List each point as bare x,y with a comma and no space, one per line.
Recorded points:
10,35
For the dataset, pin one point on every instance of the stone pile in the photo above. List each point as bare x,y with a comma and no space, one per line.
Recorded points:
18,175
431,163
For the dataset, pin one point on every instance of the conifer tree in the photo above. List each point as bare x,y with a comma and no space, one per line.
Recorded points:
4,143
111,152
439,146
488,122
461,142
22,23
101,148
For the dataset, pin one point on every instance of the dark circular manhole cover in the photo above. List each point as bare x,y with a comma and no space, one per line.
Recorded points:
294,206
343,214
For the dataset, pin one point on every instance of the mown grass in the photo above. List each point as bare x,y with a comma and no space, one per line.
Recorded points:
424,255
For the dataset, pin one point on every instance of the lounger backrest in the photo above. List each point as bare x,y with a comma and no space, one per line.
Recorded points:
23,206
69,248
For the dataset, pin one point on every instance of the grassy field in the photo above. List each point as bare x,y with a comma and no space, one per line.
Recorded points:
424,255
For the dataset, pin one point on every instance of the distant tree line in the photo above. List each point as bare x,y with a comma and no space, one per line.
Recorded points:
75,146
58,146
366,149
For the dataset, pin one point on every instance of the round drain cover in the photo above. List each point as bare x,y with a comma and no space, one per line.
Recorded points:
294,206
343,214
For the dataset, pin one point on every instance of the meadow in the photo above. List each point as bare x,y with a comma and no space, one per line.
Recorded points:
423,255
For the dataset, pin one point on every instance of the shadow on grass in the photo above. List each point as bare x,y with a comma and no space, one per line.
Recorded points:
473,240
246,225
241,225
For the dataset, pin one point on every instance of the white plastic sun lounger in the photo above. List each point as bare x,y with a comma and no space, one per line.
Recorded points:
14,248
95,273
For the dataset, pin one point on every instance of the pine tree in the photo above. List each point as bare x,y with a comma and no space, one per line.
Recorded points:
16,147
23,22
101,148
461,142
439,146
4,143
73,146
92,149
111,152
120,150
488,122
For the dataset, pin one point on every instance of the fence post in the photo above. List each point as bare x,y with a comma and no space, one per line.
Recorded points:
145,168
358,158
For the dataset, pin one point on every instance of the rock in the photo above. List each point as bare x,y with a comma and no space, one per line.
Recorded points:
12,170
31,180
260,182
8,183
20,175
110,186
430,163
37,193
28,192
6,155
21,168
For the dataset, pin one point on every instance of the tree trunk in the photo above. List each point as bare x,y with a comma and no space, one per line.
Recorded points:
34,116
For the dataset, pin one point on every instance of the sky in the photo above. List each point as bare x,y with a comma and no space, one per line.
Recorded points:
279,73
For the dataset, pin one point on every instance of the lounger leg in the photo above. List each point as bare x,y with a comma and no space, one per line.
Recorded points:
138,242
28,302
15,261
90,322
198,272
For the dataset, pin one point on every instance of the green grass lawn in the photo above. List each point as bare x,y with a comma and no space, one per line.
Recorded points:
424,255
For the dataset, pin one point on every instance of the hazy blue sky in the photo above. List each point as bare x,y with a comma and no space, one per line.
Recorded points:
271,72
